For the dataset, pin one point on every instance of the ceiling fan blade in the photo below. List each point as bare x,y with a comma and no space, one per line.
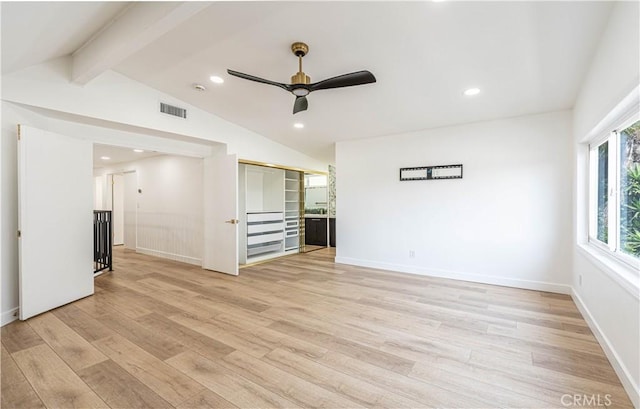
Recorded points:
345,80
301,104
256,79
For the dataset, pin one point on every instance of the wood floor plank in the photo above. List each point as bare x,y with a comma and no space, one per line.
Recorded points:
82,323
547,383
162,285
421,349
354,389
285,384
147,339
597,370
119,389
144,301
304,316
54,382
273,339
191,339
18,335
548,338
493,394
102,304
354,349
16,392
76,351
171,385
207,399
179,304
232,387
428,395
241,341
216,295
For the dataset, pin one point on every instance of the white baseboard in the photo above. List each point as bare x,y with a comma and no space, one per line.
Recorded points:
455,275
609,351
170,256
9,316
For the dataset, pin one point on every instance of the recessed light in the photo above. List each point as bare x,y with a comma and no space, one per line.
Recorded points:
472,91
199,87
105,157
298,125
138,150
216,80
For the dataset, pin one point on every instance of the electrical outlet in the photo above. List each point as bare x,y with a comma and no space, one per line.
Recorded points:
412,254
580,280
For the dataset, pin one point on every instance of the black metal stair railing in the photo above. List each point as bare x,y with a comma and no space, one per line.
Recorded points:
102,244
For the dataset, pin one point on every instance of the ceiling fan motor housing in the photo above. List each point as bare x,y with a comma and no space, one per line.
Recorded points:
300,78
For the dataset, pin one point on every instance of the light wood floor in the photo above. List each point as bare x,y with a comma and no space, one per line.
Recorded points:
302,332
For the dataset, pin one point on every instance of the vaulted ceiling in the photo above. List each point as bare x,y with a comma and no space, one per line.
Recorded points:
525,57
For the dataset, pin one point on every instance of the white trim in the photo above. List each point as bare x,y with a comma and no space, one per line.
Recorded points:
620,114
455,275
618,271
609,351
170,256
9,316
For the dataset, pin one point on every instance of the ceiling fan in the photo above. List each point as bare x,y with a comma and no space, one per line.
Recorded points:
301,83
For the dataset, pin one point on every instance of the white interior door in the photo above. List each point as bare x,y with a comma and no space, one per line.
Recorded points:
55,218
221,214
118,209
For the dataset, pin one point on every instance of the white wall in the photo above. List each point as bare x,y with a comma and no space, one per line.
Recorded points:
508,221
612,309
170,208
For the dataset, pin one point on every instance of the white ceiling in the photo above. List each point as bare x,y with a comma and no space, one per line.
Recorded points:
526,57
34,32
117,155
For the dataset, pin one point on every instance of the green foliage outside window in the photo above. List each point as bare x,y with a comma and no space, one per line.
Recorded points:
630,190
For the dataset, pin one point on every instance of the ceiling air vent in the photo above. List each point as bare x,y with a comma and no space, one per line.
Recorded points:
171,110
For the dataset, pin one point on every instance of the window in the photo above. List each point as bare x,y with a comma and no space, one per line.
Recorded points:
615,192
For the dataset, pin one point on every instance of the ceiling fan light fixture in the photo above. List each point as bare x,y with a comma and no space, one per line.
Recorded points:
472,91
300,92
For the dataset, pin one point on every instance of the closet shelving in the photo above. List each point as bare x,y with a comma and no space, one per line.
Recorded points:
269,202
264,233
292,211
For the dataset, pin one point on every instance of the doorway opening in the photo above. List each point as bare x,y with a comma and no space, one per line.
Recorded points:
316,212
155,200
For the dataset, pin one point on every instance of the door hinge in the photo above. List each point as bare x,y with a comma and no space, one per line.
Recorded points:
19,132
19,234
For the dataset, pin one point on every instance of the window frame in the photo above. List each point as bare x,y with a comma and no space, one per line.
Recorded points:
610,135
